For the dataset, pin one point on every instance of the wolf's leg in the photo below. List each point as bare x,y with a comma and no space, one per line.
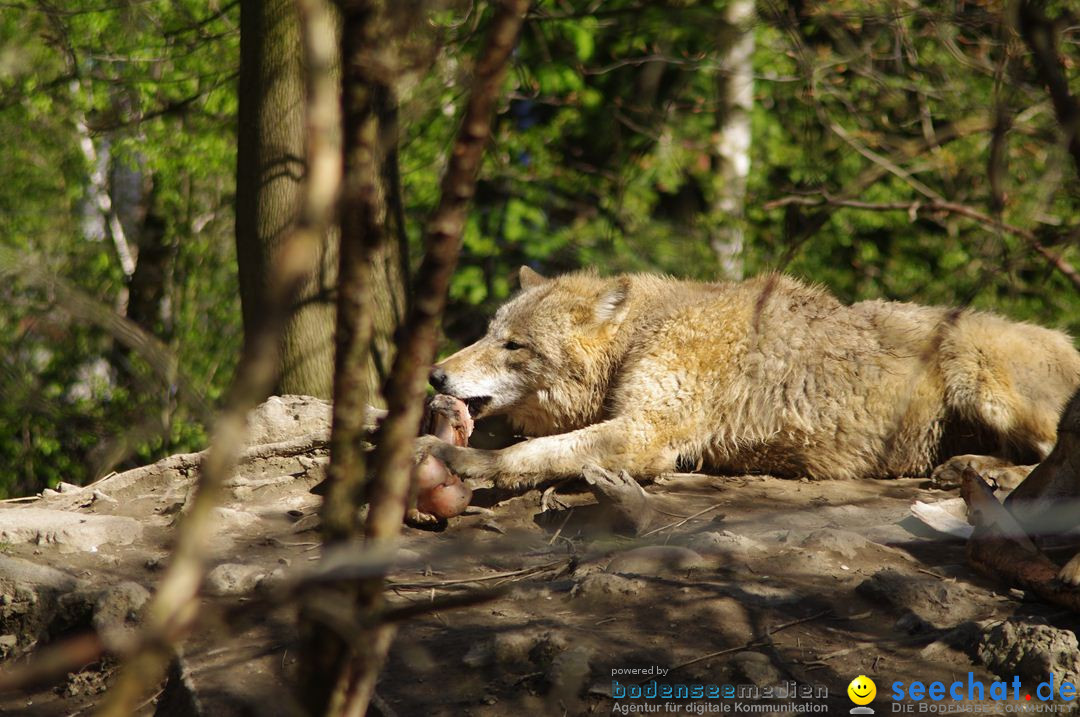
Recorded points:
620,444
998,472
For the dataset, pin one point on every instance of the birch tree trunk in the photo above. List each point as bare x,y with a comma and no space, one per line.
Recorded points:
731,145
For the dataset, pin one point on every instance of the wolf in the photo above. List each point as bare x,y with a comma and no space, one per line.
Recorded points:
769,375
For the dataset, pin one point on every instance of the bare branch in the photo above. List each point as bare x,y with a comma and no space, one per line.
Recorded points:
442,241
362,236
171,612
405,387
915,208
1039,34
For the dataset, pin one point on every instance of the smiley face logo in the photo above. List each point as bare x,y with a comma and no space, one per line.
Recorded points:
862,690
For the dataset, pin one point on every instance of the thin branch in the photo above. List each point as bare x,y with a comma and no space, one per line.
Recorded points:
174,607
915,208
881,160
362,236
875,172
1039,34
77,304
759,642
416,350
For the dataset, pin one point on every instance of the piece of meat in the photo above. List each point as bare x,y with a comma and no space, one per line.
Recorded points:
441,494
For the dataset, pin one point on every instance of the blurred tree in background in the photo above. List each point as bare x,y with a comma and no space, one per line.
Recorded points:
892,149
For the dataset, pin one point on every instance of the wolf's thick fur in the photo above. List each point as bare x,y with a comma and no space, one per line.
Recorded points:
766,375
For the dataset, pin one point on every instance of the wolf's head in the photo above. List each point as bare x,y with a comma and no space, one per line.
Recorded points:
548,355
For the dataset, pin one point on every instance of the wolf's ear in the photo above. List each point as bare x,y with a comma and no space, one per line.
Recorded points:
613,303
529,278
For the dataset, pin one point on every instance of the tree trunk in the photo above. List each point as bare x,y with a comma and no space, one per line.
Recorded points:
731,150
269,171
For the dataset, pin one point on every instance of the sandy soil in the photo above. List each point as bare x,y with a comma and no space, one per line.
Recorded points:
748,581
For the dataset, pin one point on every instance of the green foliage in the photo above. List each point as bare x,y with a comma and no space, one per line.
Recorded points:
151,87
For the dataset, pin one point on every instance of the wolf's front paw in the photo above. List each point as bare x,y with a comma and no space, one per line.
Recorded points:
430,446
1070,574
513,483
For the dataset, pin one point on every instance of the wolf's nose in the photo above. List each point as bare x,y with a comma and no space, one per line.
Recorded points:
437,378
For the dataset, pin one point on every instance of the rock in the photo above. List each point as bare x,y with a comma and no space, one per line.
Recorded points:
727,615
512,650
102,498
912,624
37,600
77,530
284,418
404,557
656,560
725,548
842,543
507,651
963,638
601,584
233,579
226,520
18,572
626,505
518,651
567,674
1031,649
761,593
999,473
479,655
118,606
68,487
755,668
547,647
936,602
272,580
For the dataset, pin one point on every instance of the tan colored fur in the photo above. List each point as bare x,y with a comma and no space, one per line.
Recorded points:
767,375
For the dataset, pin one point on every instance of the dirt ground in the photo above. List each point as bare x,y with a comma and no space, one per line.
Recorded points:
752,582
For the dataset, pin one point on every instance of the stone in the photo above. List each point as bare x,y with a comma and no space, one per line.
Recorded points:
229,519
843,543
285,418
1030,648
77,530
655,560
102,498
118,606
18,572
233,579
567,674
606,584
936,602
724,547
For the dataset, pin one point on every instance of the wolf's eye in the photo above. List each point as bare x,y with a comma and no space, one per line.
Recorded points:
513,346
